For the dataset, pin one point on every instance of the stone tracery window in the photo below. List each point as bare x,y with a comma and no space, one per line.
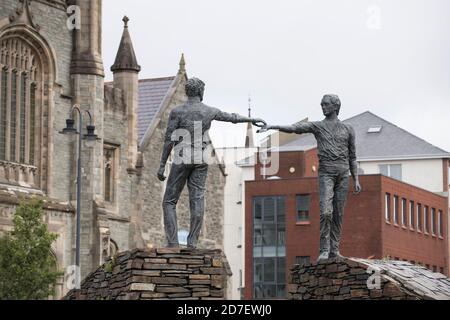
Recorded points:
21,82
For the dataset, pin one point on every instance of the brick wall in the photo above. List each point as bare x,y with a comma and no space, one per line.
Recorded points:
364,234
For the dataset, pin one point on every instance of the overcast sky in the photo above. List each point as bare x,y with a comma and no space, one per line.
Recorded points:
391,57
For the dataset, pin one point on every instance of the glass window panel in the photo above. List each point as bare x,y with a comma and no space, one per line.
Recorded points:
281,239
387,206
281,210
258,271
396,209
269,210
395,171
411,214
257,210
281,291
404,211
32,121
13,118
433,221
270,290
258,292
384,169
426,219
257,235
269,251
419,217
269,269
22,129
303,202
281,270
269,235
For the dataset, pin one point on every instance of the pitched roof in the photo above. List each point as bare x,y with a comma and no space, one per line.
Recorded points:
151,95
387,142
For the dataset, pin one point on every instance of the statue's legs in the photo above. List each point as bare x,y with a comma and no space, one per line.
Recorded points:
326,193
340,197
196,185
177,179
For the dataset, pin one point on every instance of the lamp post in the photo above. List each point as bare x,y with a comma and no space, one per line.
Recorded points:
70,130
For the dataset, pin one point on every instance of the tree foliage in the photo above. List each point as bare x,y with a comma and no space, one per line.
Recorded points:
27,265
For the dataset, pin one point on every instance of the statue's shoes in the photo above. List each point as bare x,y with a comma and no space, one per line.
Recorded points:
323,256
336,255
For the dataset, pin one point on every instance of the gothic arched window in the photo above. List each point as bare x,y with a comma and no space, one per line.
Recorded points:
22,93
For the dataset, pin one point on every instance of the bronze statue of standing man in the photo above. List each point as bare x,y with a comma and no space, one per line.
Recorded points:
337,157
190,121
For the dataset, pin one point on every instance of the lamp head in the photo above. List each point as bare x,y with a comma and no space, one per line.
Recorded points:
70,127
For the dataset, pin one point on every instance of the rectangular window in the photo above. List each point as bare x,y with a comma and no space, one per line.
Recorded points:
302,260
22,129
3,107
411,214
434,269
269,251
387,207
433,221
426,219
303,207
13,118
396,209
404,212
391,170
32,121
440,224
441,270
419,217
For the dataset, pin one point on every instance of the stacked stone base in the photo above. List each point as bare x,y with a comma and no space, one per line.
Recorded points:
168,273
358,279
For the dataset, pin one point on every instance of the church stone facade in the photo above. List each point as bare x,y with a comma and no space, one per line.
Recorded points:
46,67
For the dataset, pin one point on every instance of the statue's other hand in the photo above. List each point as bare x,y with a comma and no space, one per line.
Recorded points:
264,129
259,122
161,175
358,188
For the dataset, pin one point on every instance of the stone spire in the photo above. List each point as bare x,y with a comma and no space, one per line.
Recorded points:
126,58
182,68
249,138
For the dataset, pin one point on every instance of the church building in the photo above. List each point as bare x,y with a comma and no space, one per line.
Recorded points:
49,63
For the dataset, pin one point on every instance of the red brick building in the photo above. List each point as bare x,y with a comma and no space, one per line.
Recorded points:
389,219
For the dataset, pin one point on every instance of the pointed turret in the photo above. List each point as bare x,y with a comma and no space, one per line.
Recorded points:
126,58
126,71
182,68
249,139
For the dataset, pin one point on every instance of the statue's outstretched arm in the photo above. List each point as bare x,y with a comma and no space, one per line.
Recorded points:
301,127
236,118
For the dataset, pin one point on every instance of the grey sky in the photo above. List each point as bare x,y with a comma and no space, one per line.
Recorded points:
288,53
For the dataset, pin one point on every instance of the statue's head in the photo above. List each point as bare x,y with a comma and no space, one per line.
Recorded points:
331,103
195,88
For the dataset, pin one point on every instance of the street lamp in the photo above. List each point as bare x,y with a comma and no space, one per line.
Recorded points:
91,136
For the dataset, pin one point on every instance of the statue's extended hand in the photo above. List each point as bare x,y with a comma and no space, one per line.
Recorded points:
259,122
161,175
264,129
358,188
